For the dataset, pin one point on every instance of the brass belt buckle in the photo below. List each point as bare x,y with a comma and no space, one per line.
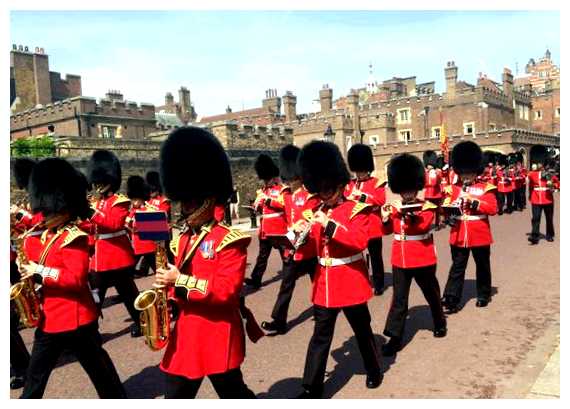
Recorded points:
328,262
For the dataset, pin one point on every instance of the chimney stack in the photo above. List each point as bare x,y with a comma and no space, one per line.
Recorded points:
326,97
450,79
290,106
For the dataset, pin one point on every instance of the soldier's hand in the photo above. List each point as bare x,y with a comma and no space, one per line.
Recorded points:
27,269
167,276
321,218
300,226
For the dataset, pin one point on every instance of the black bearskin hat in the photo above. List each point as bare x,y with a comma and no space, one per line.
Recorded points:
137,188
406,173
22,170
538,154
322,167
194,166
430,158
288,168
503,160
56,186
265,167
104,168
467,157
153,181
360,158
512,158
440,162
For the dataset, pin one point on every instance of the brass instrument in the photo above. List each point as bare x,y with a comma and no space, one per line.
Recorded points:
23,293
155,314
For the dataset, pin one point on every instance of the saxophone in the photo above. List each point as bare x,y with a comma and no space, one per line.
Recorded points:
155,314
23,293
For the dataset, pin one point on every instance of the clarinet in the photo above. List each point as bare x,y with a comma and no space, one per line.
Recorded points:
302,237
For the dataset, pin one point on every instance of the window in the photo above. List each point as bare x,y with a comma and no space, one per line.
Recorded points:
538,114
404,116
406,135
521,111
557,112
109,132
492,126
526,110
436,132
468,128
374,140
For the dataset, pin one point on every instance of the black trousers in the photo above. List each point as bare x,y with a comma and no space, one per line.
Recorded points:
427,281
265,246
292,270
122,280
520,198
228,385
548,214
358,317
85,342
460,257
144,263
19,355
376,262
505,202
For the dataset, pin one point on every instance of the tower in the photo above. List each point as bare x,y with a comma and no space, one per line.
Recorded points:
290,106
325,97
450,79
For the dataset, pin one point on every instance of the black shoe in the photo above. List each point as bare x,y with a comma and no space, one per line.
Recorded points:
310,394
440,332
392,347
450,306
374,381
274,327
17,382
253,283
550,239
136,331
481,303
533,240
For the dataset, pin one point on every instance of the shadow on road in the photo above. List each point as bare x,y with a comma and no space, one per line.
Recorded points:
147,384
109,336
470,292
247,290
287,388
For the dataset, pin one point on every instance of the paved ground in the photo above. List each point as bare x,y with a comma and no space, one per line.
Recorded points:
499,351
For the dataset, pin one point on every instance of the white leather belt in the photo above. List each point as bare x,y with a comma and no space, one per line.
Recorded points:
541,188
333,262
471,217
110,235
405,237
271,216
36,233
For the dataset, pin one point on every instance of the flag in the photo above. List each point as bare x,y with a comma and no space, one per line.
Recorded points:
152,226
443,143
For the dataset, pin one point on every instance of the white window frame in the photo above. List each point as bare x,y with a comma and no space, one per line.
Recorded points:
521,111
435,129
105,131
402,138
465,125
492,126
526,111
538,114
557,112
408,116
374,140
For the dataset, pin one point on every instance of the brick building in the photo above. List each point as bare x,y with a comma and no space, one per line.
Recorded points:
33,84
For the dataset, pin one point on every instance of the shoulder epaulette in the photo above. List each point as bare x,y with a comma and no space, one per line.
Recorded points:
489,187
284,188
380,182
121,199
428,205
231,237
396,204
174,245
310,195
73,233
307,214
358,207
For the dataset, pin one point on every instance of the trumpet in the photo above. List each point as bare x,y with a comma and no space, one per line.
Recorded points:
301,238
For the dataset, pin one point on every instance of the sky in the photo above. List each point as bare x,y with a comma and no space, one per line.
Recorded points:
231,58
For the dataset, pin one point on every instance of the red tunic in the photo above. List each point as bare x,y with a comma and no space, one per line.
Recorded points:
540,190
504,182
159,202
67,301
472,229
272,207
432,189
302,205
346,235
139,246
413,253
32,243
208,337
113,248
373,192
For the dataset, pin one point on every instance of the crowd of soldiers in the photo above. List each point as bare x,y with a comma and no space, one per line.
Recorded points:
76,236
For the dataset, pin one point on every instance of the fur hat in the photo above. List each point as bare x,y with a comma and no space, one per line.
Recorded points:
288,168
22,170
137,188
467,157
430,158
104,168
265,167
502,160
56,186
153,181
360,158
440,162
194,166
538,154
406,173
322,167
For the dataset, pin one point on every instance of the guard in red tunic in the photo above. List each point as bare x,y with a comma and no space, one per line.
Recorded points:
413,251
69,314
300,260
371,190
520,183
473,202
210,260
341,232
113,260
157,200
504,186
542,183
271,203
138,193
433,177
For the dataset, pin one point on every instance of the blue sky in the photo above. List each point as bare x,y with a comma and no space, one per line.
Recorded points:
231,58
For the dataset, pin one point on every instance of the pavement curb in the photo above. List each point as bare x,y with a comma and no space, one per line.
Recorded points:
547,385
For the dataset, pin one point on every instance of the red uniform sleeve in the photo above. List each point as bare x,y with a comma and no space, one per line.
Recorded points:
354,236
422,221
488,203
113,220
73,274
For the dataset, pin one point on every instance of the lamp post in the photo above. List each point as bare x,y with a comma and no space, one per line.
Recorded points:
362,136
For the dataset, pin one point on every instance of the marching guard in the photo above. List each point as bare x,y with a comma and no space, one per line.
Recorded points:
470,230
432,185
504,186
371,190
68,315
210,261
157,200
341,232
